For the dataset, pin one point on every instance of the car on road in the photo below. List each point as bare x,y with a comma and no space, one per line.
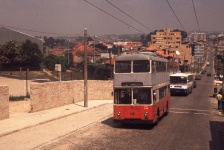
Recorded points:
209,74
194,84
203,71
197,77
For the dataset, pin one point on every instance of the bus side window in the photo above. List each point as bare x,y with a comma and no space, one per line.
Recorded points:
154,96
153,66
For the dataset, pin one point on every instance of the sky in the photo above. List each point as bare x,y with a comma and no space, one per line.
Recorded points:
71,17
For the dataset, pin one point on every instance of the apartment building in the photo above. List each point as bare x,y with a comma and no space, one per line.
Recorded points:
196,37
172,41
166,40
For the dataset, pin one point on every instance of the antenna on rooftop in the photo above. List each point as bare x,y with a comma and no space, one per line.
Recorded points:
177,52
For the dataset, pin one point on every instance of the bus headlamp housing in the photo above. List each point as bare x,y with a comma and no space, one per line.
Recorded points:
118,114
146,115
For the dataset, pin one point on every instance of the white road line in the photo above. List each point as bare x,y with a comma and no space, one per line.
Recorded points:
182,112
191,109
176,112
202,114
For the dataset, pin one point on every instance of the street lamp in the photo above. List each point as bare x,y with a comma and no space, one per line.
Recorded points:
94,48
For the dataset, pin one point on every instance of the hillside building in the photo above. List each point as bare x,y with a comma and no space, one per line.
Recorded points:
12,35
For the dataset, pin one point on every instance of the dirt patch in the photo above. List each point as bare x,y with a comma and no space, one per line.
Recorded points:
17,107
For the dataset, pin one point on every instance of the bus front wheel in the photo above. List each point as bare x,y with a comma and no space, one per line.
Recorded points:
167,109
157,118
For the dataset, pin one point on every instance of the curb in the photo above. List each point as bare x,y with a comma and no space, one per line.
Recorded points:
49,120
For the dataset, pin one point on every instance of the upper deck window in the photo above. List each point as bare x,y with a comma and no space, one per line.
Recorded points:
141,66
123,66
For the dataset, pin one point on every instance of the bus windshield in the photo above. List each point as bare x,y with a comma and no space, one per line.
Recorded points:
178,80
135,96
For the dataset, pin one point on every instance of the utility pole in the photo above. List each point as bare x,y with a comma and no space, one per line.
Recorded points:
68,53
27,72
222,74
111,72
94,49
85,70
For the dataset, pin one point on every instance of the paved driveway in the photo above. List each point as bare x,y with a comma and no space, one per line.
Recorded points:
17,87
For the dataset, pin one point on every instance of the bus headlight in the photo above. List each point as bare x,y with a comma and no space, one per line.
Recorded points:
118,114
146,115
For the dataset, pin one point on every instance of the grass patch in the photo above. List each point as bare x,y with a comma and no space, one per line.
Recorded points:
18,98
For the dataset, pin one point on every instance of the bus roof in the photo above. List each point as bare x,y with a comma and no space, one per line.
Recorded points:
180,74
140,56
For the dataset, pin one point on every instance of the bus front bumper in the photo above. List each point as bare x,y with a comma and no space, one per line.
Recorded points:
178,91
133,121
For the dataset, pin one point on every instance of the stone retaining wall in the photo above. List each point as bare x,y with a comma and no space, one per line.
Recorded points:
4,102
54,94
51,94
97,90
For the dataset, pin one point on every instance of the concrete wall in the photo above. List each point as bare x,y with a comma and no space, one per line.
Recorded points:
4,102
54,94
97,90
50,95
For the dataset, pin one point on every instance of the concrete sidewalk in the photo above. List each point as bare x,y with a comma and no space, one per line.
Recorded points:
22,121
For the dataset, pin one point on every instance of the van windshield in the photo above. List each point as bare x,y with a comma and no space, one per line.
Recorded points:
178,80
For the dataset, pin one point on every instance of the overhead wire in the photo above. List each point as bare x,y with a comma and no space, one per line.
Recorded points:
115,17
196,16
175,14
128,15
43,32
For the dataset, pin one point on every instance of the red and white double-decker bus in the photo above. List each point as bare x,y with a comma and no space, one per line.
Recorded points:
141,88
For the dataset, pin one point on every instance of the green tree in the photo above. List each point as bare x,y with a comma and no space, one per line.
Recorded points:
10,53
98,72
51,60
115,49
32,55
63,61
143,40
148,36
183,33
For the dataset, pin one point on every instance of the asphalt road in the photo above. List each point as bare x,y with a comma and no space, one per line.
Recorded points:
192,124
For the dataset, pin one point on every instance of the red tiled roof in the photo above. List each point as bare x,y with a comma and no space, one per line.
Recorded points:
150,48
161,53
174,55
80,51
